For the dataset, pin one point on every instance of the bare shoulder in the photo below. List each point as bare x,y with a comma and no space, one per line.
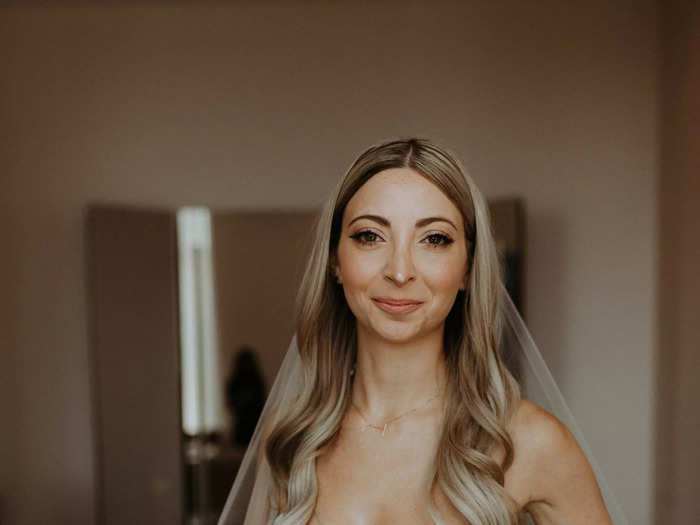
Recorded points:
538,434
549,462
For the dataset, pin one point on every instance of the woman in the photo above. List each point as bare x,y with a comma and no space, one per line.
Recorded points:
404,411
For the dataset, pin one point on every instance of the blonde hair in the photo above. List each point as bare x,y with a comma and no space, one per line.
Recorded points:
481,394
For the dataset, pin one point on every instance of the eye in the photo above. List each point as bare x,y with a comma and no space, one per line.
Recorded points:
438,239
366,237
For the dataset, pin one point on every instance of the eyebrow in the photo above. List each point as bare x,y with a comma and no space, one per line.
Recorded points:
419,223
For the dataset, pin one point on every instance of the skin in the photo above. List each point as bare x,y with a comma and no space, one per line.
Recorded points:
368,478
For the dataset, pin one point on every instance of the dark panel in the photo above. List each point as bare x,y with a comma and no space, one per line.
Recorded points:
134,329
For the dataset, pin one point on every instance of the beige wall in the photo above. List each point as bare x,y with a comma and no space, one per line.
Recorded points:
678,361
248,106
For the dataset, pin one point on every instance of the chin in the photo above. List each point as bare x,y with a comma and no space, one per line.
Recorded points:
396,333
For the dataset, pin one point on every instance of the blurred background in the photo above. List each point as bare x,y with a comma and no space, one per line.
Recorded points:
148,146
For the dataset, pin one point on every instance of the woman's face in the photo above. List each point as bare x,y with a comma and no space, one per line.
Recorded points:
402,255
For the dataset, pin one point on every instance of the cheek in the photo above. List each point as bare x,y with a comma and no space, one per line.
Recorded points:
357,279
358,268
445,275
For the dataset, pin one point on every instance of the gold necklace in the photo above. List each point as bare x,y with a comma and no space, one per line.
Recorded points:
387,423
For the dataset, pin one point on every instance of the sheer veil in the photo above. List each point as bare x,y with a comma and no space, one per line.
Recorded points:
247,502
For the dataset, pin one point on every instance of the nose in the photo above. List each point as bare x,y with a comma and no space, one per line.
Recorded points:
399,268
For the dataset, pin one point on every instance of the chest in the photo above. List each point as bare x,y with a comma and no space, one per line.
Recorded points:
368,478
365,478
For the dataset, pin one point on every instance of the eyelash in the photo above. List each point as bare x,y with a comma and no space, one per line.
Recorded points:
444,240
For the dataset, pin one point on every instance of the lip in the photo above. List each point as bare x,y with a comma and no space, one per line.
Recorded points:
396,306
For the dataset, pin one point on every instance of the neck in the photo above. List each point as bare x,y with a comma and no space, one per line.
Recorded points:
391,377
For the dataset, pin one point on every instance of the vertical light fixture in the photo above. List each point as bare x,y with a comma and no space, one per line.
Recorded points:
201,389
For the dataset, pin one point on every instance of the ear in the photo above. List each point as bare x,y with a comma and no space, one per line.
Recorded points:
465,282
335,268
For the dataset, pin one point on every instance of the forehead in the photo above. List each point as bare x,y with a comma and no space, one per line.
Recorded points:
401,192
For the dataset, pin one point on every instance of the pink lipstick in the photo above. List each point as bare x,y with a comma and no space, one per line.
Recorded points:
396,306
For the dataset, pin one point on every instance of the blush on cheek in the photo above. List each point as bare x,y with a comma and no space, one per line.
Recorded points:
358,272
447,280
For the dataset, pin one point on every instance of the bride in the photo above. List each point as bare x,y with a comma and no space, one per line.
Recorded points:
401,409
